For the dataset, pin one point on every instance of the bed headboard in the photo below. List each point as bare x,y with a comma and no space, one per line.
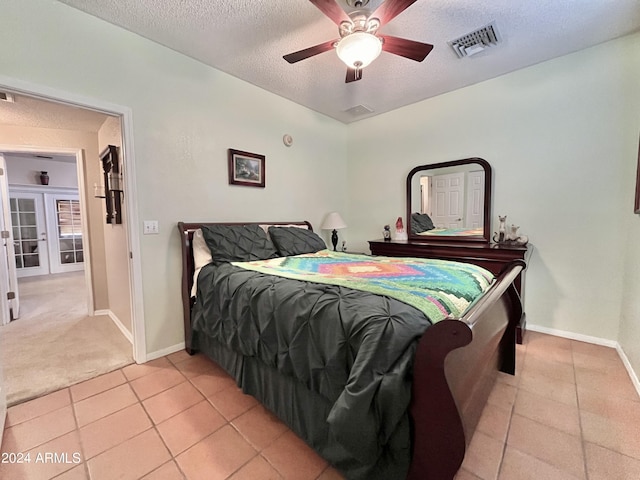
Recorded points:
188,268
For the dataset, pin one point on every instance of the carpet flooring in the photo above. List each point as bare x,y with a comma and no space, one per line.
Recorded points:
55,343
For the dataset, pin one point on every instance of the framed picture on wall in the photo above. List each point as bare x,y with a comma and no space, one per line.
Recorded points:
636,207
246,168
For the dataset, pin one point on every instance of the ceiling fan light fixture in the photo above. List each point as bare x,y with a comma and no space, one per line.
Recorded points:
359,49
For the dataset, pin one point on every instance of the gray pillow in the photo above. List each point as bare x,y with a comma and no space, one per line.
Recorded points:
421,222
238,243
295,241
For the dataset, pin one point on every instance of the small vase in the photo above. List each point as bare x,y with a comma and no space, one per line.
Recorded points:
44,178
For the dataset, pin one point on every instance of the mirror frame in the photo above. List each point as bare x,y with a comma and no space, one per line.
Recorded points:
486,235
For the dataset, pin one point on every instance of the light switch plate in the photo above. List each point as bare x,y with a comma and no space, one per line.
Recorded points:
150,227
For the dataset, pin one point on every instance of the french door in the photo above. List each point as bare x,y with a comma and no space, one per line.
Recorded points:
47,232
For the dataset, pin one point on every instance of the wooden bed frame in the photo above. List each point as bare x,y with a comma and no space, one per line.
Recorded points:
455,366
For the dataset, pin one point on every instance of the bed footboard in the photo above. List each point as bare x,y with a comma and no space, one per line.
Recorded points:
455,368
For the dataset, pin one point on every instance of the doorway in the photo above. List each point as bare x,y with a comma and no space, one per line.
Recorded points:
67,249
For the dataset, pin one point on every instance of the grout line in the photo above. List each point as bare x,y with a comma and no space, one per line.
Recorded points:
582,440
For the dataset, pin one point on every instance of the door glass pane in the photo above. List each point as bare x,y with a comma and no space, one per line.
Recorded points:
69,225
25,233
26,205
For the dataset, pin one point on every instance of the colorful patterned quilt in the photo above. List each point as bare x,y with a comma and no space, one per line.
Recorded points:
440,289
465,232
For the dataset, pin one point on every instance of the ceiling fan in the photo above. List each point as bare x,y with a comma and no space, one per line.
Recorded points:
360,43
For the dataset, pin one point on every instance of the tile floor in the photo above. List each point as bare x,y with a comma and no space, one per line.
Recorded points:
571,412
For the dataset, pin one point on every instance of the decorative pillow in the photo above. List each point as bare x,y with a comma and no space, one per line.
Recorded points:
238,243
421,222
201,257
295,241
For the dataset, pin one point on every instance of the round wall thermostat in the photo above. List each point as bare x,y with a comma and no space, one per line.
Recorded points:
287,140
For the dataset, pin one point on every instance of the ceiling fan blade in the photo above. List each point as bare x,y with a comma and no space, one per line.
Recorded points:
309,52
391,9
406,48
332,10
353,75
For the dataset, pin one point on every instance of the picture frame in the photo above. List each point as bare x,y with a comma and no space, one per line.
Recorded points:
246,169
636,207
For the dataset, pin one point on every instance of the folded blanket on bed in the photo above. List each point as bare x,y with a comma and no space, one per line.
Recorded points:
440,289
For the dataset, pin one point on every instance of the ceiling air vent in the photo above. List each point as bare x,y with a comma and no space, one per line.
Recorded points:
359,110
6,97
476,41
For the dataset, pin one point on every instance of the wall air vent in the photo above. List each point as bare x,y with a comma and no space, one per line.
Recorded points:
6,97
359,110
476,41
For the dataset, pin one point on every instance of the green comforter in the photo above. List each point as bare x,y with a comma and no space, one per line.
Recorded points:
353,347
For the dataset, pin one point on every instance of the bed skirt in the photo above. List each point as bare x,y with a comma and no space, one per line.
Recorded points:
305,413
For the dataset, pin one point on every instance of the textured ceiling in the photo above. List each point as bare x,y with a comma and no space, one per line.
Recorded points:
247,39
28,111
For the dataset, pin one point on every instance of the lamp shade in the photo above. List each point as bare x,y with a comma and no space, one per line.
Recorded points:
359,49
333,221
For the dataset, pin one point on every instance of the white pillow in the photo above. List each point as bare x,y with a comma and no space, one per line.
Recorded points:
201,257
266,226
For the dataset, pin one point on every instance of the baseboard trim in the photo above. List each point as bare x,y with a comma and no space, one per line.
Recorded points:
627,365
127,334
597,341
165,351
573,336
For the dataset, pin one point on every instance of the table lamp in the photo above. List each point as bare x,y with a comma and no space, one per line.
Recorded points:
333,221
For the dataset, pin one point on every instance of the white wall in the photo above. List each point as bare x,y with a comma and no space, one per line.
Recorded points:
116,246
186,116
26,171
560,138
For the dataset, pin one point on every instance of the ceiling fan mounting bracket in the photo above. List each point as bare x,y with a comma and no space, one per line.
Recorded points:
357,3
360,22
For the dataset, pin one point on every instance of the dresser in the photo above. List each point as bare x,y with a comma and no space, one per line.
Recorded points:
491,256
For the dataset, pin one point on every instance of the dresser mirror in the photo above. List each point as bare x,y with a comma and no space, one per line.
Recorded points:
450,201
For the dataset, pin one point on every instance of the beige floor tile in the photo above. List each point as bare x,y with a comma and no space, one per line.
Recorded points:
103,404
172,401
168,471
231,402
483,456
257,468
196,365
618,384
502,396
46,460
139,370
596,351
186,428
32,433
552,446
113,429
217,456
549,412
549,369
259,426
212,382
551,388
293,458
36,407
520,466
611,406
97,385
156,382
130,460
465,475
76,473
621,437
494,422
178,356
604,464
